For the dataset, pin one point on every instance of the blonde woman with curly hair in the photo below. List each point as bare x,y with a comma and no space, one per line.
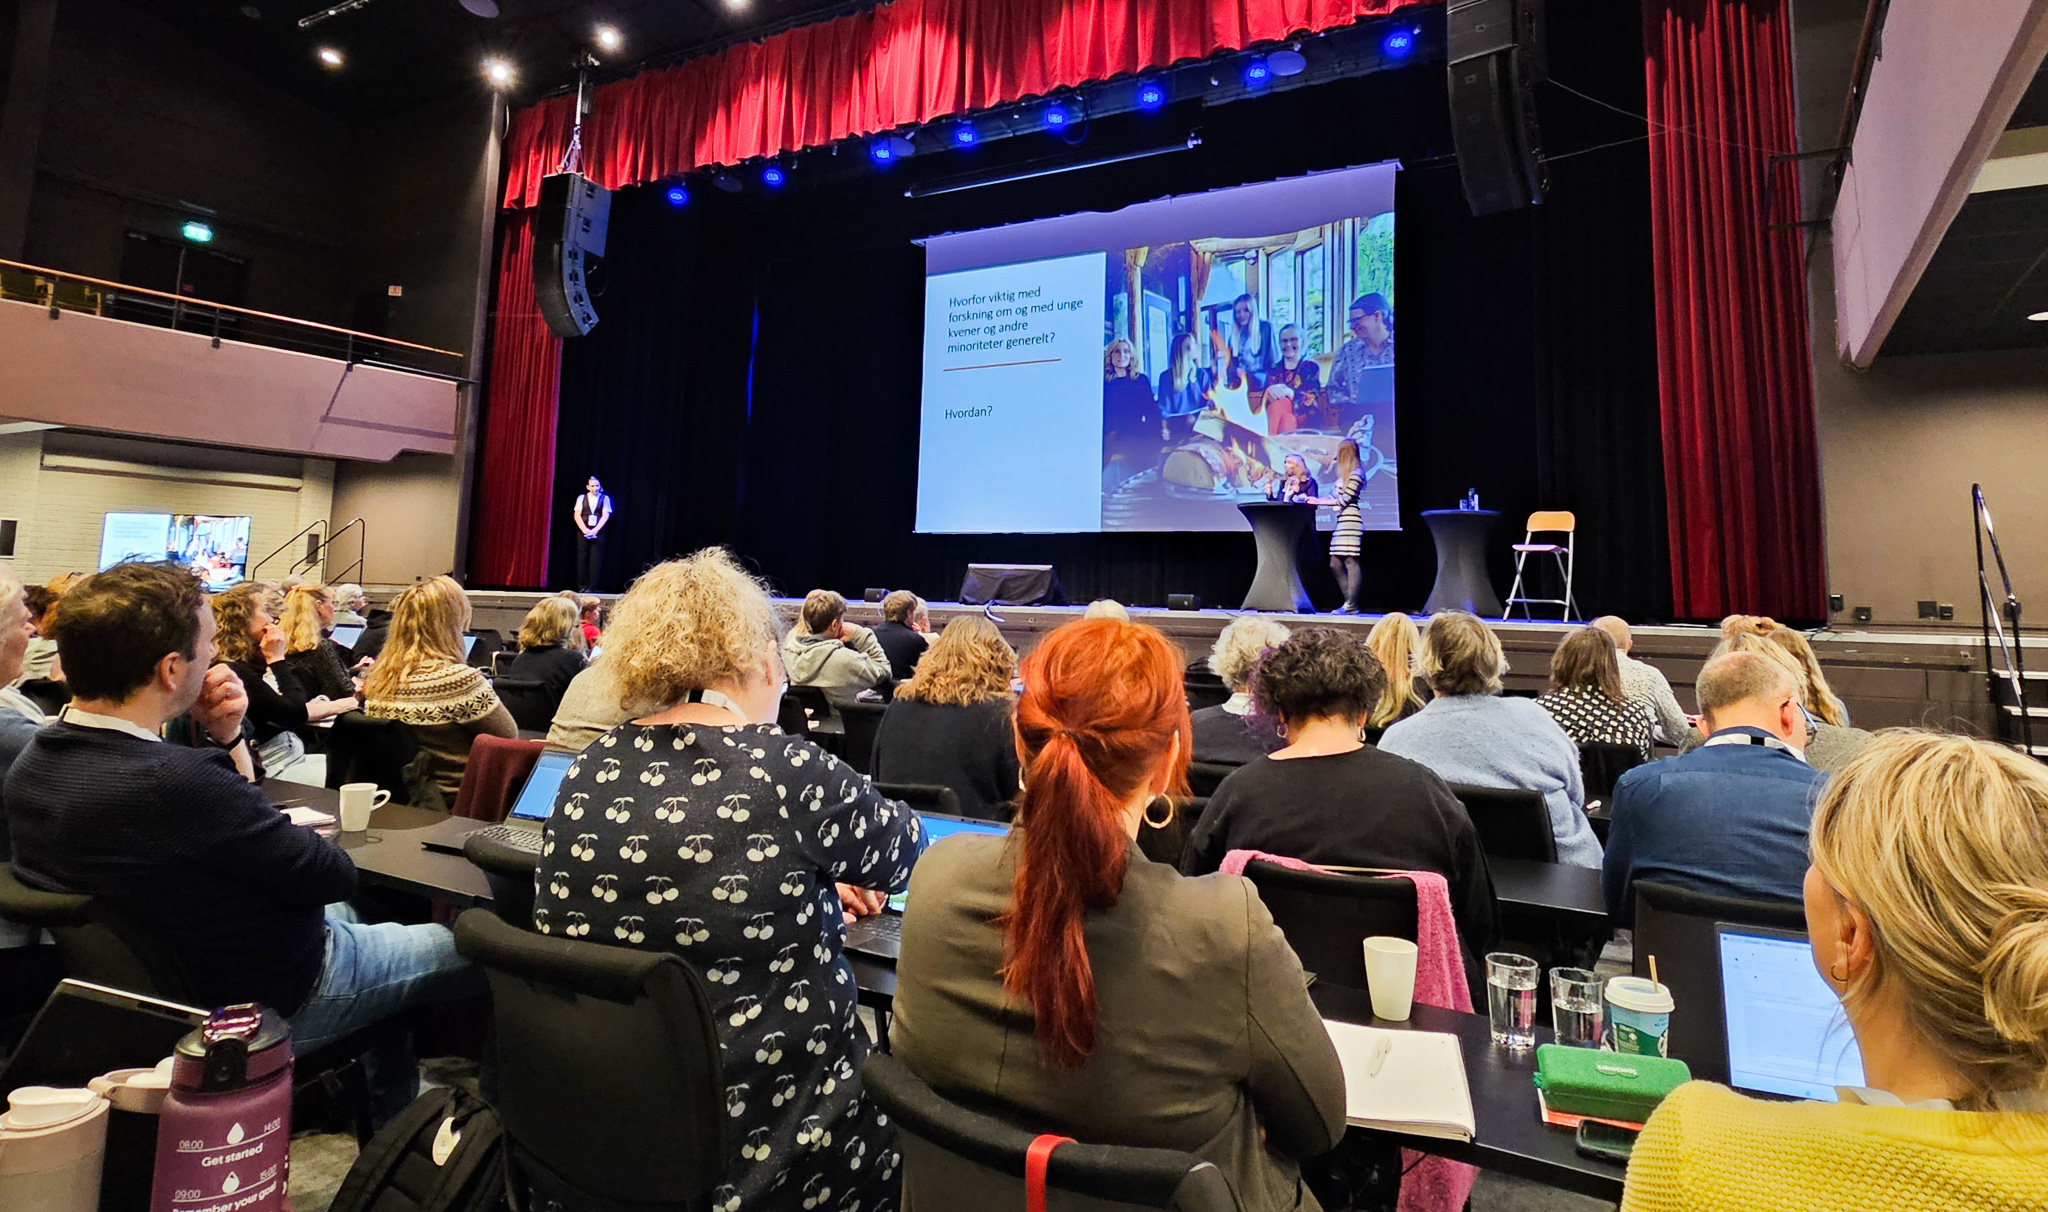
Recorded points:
282,709
700,828
1927,907
1397,642
550,646
319,663
950,725
421,680
1231,733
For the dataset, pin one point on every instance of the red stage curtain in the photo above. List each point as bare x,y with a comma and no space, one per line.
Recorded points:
516,475
902,63
1741,467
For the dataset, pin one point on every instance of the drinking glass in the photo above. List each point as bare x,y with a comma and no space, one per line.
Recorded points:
1576,1007
1511,998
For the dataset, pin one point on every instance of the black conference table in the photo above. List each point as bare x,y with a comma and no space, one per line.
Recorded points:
1461,580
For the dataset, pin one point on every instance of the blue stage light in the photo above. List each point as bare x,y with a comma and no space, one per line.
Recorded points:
965,135
1398,43
677,195
1151,95
772,177
880,152
1057,117
1257,74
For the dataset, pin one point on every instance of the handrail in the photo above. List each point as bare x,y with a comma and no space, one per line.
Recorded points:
2013,653
362,550
313,525
182,301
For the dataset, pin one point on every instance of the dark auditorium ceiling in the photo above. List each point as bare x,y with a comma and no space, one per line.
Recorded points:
1990,271
405,53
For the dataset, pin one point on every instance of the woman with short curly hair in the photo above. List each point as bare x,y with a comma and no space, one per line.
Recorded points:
1234,731
950,725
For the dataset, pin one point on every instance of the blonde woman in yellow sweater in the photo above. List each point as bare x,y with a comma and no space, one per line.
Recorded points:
1927,902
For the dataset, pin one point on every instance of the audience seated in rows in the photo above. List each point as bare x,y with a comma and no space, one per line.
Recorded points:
550,646
1330,799
826,652
1644,684
247,903
1065,981
281,708
20,716
702,829
1470,734
1397,643
1829,747
1586,698
321,665
1927,906
422,681
905,632
591,707
1232,733
350,603
1729,818
950,724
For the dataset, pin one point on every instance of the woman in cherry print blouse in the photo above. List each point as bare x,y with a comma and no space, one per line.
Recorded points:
699,831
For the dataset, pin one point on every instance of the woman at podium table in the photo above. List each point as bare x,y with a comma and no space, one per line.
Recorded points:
1294,485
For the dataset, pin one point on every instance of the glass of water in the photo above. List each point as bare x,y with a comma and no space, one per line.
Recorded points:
1511,998
1576,1007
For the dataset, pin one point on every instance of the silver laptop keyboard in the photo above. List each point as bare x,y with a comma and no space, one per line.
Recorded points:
878,928
519,837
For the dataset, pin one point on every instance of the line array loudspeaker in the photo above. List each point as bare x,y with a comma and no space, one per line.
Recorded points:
1496,61
568,234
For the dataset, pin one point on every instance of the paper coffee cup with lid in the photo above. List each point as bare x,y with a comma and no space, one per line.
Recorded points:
1638,1017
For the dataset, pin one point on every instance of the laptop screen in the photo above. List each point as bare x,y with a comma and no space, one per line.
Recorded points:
939,828
346,634
537,799
1786,1031
468,643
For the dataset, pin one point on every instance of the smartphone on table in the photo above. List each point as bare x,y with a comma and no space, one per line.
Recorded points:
1607,1142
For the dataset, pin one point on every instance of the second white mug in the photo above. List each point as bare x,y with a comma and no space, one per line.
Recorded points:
358,801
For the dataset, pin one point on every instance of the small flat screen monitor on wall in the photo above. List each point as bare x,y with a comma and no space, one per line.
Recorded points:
215,547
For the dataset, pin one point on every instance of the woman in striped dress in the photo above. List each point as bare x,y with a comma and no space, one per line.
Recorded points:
1345,540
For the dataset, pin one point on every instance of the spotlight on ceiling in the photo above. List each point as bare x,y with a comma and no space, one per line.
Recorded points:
498,73
329,56
677,195
1397,44
197,232
481,8
964,135
2039,317
608,38
738,6
1151,95
1288,62
881,152
1057,115
1257,74
773,176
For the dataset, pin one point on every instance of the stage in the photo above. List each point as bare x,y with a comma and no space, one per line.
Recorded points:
1888,679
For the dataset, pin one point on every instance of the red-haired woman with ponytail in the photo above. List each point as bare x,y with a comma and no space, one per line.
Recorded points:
1062,975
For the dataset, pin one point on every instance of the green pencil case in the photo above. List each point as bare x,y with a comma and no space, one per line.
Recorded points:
1609,1085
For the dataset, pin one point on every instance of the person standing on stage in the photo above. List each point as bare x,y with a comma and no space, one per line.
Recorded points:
593,509
1349,536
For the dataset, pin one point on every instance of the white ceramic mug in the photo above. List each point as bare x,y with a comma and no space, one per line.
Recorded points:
358,801
1390,976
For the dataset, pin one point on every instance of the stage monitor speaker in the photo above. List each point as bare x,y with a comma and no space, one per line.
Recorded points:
875,595
1496,61
1183,601
568,234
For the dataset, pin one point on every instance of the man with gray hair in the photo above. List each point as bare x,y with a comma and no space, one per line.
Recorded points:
1730,818
349,603
1645,683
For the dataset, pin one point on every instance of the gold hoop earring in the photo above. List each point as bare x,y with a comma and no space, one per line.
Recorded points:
1150,804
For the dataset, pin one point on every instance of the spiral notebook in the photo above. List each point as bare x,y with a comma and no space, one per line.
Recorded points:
1411,1082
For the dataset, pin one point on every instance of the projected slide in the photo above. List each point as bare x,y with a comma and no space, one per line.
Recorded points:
1151,368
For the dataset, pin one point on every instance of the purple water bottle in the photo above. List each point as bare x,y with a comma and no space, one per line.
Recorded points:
224,1140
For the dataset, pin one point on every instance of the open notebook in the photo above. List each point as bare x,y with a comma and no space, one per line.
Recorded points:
1419,1089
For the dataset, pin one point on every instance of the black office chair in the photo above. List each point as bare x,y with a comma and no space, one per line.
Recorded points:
1204,689
1169,842
1677,926
954,1157
49,695
532,704
1205,777
924,797
808,713
862,721
1603,765
1512,824
509,871
1325,916
363,750
609,1085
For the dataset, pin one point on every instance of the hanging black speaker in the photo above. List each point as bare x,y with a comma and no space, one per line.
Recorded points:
1496,61
568,234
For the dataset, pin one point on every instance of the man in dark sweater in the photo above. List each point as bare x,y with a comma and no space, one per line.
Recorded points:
905,632
180,843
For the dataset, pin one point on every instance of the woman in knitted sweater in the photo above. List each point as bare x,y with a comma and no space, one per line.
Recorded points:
1927,904
420,679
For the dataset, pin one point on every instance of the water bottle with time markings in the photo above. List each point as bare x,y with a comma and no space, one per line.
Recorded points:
224,1141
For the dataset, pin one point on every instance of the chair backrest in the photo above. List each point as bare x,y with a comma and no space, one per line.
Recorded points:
957,1157
1552,519
46,694
1325,916
924,797
1603,764
609,1085
1204,689
96,940
488,645
365,750
1511,823
509,871
497,768
1205,777
531,703
863,721
1169,843
1677,926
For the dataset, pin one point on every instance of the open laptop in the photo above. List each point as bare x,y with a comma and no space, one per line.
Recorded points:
84,1030
346,634
468,644
1787,1037
530,810
881,935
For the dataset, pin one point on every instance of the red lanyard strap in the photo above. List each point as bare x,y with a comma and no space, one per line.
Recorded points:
1035,1158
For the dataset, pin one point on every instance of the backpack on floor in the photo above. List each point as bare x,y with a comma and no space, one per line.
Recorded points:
444,1153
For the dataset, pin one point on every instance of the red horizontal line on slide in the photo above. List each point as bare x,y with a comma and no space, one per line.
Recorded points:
994,365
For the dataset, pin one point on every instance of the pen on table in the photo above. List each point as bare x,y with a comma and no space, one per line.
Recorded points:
1379,1055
